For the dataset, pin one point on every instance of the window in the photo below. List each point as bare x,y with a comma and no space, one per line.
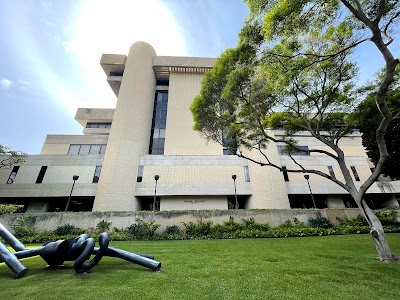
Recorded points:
159,123
95,149
303,150
98,125
41,174
285,173
13,175
86,149
96,175
353,169
228,142
74,149
140,174
246,174
330,169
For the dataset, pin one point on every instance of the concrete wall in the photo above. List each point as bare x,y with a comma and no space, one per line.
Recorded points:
50,221
130,132
180,138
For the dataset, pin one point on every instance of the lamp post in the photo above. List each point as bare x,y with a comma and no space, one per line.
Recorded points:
75,178
234,184
156,177
307,177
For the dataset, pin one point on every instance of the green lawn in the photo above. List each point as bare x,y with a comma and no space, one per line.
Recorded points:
331,267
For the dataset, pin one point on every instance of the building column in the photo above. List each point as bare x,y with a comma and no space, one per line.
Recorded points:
129,134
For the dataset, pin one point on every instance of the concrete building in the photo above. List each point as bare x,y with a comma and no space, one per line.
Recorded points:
150,133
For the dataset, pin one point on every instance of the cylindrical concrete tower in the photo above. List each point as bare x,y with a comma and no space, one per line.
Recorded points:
130,132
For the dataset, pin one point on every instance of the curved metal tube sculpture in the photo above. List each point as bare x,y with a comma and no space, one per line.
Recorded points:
75,249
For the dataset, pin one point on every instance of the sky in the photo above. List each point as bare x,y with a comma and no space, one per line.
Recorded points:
50,53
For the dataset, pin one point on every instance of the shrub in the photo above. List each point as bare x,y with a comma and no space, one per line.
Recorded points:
25,226
68,229
171,230
387,217
320,222
142,230
103,226
251,224
6,209
198,229
356,221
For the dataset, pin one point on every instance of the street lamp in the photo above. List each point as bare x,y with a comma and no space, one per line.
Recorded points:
307,177
234,183
156,177
75,178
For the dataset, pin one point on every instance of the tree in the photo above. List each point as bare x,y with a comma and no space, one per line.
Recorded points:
293,67
9,157
368,117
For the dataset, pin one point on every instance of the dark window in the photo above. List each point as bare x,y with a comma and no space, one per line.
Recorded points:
96,175
162,82
285,174
98,125
116,73
103,149
140,174
246,174
228,143
95,149
303,150
84,150
159,123
330,169
42,172
13,174
353,169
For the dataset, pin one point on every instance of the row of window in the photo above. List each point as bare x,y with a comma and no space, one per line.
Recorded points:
85,149
303,150
141,169
98,125
330,169
42,172
159,123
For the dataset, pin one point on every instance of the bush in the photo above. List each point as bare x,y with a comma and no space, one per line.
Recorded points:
198,229
356,221
142,230
320,222
68,229
251,224
387,217
103,226
171,230
25,227
6,209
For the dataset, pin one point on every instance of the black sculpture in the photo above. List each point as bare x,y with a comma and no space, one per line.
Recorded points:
75,249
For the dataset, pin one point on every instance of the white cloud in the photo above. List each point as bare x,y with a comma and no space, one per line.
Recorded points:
5,83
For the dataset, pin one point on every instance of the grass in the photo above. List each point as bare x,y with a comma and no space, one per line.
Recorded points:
330,267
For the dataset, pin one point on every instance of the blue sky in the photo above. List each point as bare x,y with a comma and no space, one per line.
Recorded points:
50,53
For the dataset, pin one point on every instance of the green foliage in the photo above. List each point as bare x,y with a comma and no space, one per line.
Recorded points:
320,221
68,229
10,208
103,226
199,228
142,230
356,221
171,230
368,117
25,226
388,217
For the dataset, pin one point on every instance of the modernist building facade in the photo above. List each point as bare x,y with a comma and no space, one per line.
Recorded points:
149,133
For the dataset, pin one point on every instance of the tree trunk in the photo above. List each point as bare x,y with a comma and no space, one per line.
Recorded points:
378,234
